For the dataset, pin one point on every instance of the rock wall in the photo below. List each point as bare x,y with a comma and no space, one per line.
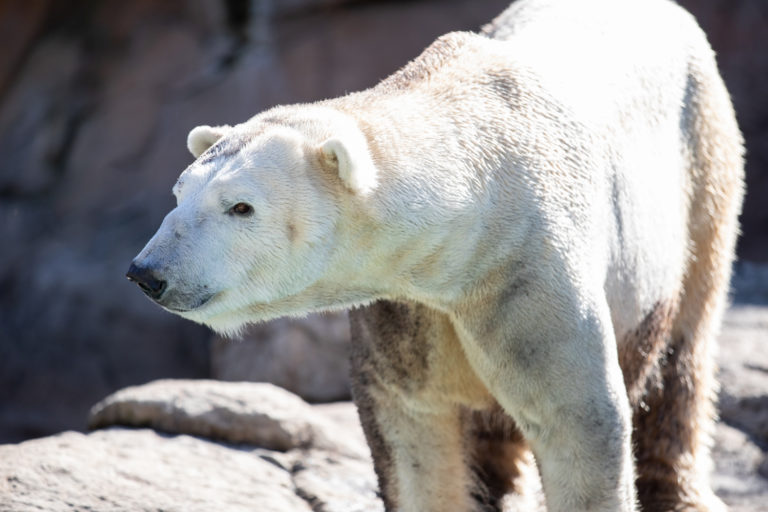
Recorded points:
96,99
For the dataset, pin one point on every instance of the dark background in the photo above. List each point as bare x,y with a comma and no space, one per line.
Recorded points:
96,100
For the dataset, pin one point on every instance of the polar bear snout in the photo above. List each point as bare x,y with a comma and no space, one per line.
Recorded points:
149,283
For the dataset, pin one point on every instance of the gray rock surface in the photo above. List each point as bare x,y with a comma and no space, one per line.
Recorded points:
307,356
736,478
740,450
298,457
744,371
237,412
141,470
743,359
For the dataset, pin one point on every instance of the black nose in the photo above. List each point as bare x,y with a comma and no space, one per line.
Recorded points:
146,280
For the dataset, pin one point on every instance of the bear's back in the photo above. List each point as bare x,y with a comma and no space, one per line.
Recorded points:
594,58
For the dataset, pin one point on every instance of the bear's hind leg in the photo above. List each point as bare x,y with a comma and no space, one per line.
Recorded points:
505,471
672,429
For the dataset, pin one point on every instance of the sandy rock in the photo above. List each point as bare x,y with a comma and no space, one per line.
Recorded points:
258,414
120,469
140,470
327,481
736,478
744,370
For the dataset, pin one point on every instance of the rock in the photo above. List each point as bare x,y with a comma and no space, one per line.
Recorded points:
20,22
736,478
321,462
141,470
34,138
307,356
344,413
258,414
741,438
744,370
328,482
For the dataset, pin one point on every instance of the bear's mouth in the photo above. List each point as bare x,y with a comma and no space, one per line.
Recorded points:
187,309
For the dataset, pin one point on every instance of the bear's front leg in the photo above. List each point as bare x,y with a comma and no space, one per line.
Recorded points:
409,376
550,360
418,455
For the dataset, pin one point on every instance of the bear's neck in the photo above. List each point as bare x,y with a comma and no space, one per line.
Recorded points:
432,228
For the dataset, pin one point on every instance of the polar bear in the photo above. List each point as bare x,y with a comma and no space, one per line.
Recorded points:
540,219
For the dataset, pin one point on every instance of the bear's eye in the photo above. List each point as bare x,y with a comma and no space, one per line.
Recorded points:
241,209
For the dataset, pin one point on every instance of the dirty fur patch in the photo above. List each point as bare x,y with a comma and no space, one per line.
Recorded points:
664,383
495,449
641,351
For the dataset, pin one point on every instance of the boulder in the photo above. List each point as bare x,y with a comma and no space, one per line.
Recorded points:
141,470
263,415
213,446
307,356
248,446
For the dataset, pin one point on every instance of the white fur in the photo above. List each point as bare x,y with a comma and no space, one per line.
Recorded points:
201,138
348,151
548,160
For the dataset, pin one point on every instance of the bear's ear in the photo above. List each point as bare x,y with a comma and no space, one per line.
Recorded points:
203,137
349,156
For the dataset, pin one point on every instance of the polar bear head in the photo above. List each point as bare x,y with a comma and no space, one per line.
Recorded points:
261,228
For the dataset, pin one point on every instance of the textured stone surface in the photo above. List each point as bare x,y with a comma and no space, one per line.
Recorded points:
141,470
744,371
237,412
297,457
744,355
740,450
736,478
